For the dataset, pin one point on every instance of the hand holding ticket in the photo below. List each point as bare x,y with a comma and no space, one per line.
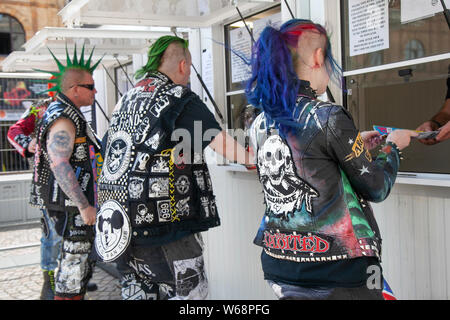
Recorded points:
421,134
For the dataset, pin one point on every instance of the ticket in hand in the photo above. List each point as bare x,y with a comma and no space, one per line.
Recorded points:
422,134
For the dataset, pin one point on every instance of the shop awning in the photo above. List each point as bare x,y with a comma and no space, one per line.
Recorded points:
171,13
113,45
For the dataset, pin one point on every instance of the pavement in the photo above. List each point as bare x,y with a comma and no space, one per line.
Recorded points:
20,273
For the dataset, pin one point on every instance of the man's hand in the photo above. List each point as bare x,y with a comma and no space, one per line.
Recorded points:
428,126
444,133
89,214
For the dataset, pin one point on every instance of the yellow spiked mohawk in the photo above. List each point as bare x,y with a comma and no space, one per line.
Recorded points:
75,63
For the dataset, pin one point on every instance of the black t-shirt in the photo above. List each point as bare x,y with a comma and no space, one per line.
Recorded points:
197,120
342,273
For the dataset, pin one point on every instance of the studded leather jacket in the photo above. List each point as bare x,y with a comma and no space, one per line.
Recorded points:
317,184
145,191
85,160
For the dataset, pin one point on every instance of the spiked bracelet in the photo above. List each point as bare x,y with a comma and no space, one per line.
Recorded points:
388,147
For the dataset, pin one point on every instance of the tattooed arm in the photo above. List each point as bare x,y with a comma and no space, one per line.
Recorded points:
60,142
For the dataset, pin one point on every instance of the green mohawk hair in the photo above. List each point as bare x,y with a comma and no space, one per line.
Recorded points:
75,63
155,53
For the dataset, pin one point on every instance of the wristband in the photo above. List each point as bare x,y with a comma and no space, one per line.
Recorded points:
435,122
391,145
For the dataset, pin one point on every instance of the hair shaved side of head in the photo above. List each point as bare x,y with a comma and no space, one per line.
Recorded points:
308,43
174,53
71,78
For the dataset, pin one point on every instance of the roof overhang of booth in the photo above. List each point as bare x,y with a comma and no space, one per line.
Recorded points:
170,13
112,44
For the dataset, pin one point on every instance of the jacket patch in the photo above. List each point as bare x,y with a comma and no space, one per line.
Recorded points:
296,243
284,191
112,231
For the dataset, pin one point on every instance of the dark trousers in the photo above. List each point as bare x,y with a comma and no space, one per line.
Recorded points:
172,271
74,266
290,292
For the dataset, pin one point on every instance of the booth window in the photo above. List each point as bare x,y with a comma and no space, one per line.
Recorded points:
123,80
239,113
12,34
385,86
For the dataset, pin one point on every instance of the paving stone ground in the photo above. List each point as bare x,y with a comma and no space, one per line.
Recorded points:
21,275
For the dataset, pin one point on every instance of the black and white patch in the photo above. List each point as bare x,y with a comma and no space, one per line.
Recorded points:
191,280
160,166
163,208
80,152
112,231
182,184
159,106
143,215
142,131
117,155
136,187
284,191
140,164
182,207
200,179
158,187
154,140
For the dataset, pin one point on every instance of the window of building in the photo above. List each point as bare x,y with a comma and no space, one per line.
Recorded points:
402,82
124,79
239,113
12,35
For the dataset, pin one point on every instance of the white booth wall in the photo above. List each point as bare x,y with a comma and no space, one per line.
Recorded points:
414,220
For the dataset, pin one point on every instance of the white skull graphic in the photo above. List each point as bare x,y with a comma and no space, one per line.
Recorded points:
275,160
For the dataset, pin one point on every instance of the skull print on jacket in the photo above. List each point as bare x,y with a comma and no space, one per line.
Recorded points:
317,180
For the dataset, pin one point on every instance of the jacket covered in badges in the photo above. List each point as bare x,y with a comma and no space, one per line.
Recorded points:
144,190
85,160
317,184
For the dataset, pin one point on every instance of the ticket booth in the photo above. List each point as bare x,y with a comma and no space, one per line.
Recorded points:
395,60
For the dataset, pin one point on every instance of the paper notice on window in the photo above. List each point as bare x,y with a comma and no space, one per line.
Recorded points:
273,20
241,43
368,26
412,10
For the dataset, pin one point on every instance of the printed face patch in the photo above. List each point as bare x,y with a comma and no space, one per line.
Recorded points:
143,215
117,155
112,231
136,187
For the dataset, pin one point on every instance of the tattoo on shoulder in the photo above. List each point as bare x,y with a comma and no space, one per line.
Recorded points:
59,144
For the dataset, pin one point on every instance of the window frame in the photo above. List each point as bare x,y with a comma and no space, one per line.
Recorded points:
11,32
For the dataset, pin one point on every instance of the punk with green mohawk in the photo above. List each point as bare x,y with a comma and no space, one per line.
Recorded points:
74,63
65,172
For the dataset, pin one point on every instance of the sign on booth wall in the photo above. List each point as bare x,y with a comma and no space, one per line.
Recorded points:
368,26
412,10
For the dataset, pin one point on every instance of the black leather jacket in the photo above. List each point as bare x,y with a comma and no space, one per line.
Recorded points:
317,182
